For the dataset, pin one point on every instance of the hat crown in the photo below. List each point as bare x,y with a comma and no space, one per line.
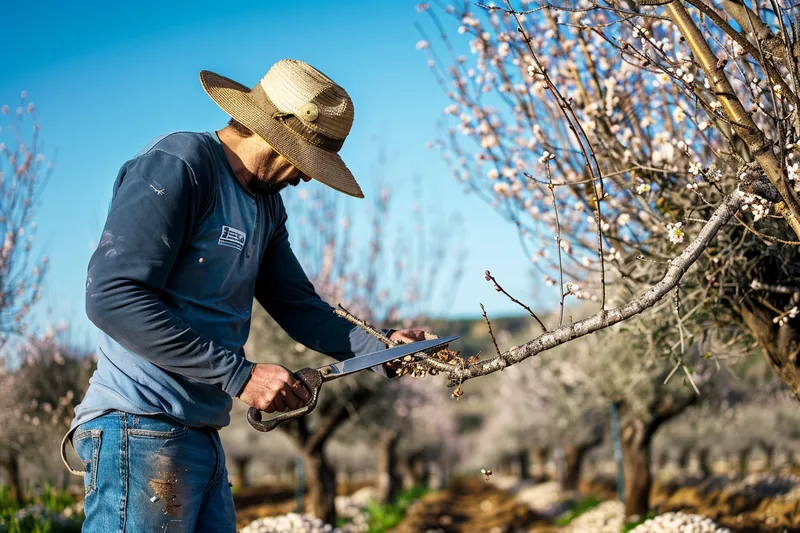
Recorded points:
297,88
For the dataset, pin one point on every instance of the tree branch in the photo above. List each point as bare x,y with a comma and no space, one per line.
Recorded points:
606,318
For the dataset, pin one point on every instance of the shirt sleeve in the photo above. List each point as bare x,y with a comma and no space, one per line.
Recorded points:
286,293
156,200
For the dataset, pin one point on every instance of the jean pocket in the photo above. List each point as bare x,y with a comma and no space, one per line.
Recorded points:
87,446
155,427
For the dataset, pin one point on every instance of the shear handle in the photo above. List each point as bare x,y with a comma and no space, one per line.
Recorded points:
312,380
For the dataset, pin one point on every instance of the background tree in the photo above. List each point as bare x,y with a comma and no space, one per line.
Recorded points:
37,401
368,286
23,174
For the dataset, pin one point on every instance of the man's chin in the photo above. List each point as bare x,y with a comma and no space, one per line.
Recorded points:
268,190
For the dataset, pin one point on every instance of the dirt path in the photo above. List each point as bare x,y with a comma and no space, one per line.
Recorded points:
471,506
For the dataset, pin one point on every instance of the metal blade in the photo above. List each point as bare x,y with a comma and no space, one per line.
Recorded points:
362,362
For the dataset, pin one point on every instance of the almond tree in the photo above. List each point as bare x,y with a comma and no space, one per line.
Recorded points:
545,404
412,426
37,399
23,175
627,141
24,172
625,366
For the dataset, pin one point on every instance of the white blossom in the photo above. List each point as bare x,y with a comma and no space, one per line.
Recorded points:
675,233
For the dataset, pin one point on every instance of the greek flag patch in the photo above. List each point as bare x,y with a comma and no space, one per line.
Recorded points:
232,237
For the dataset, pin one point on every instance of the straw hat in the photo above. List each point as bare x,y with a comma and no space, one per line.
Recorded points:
303,114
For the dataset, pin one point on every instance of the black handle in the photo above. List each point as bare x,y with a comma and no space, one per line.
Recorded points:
312,379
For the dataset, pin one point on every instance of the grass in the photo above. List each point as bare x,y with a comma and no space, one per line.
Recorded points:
381,518
630,525
36,515
582,506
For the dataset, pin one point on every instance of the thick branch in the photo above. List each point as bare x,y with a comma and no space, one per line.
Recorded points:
756,141
678,267
747,45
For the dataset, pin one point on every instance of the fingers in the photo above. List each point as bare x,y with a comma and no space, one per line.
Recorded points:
301,392
290,397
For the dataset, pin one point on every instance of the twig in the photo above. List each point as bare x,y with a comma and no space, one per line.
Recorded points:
558,241
498,288
688,375
344,313
430,361
489,324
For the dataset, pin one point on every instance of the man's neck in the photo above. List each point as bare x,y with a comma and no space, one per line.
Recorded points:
232,145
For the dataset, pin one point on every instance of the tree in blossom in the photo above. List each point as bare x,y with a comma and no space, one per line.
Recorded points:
628,141
38,396
24,171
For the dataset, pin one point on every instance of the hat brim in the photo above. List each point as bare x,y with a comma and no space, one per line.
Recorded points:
313,161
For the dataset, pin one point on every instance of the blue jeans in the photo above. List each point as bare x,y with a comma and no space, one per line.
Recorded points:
151,474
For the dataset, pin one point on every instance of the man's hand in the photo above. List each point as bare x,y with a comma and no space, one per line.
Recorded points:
272,388
406,336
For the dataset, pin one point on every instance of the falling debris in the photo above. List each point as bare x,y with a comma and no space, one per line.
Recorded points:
486,473
154,499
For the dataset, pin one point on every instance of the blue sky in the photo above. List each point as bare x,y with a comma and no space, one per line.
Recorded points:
108,77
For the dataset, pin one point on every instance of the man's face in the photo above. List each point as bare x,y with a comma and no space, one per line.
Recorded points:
273,173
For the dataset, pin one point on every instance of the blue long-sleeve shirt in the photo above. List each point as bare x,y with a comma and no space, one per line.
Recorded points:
184,251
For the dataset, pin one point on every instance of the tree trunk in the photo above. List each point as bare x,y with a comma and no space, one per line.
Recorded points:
240,478
662,460
573,459
388,477
540,463
780,344
743,461
420,471
769,451
523,465
636,467
321,483
683,458
406,471
12,467
705,464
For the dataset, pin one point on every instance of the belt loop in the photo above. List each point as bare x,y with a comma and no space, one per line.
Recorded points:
64,454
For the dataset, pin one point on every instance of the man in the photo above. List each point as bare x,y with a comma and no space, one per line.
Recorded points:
195,231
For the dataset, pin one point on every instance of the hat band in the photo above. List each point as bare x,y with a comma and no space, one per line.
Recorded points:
294,124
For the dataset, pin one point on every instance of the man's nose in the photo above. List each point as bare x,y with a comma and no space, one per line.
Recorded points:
305,178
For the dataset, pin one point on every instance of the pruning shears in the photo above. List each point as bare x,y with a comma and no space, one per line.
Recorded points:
313,378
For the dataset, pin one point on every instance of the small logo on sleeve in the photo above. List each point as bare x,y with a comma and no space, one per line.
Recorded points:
232,237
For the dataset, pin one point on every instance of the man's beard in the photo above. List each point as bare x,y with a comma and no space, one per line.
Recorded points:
263,183
265,186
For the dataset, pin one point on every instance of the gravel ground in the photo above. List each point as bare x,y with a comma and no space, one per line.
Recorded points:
608,517
679,523
290,523
349,507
